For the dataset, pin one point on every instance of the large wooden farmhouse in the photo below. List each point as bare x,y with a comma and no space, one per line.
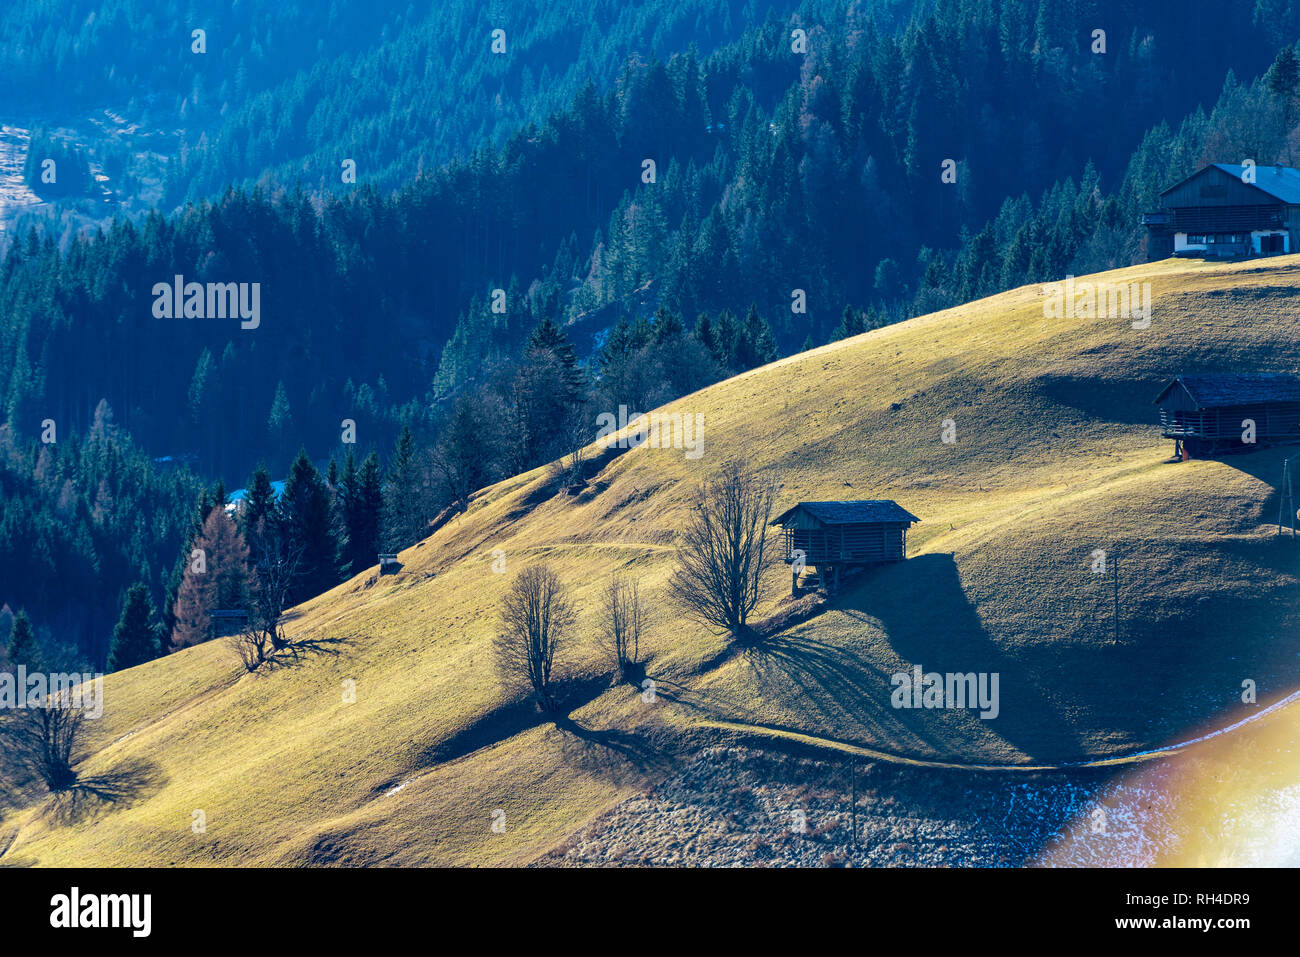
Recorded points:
832,535
1216,212
1209,414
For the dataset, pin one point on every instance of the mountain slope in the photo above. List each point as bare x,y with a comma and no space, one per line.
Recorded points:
1056,455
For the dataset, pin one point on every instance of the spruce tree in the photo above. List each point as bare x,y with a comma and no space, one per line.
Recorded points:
135,639
403,501
363,512
259,501
760,345
23,649
279,423
307,529
851,324
548,337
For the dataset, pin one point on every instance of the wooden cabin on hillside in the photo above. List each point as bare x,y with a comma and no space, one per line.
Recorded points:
1227,211
228,621
1212,413
832,535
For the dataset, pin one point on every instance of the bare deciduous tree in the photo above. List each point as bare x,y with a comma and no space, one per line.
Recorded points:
624,623
252,646
536,617
269,586
724,549
42,738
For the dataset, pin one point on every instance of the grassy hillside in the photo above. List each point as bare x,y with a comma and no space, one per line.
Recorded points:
1057,454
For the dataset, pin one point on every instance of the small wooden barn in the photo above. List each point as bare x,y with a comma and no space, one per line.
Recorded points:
227,621
1211,413
832,535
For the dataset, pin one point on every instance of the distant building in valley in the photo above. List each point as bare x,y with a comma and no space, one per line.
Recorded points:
1209,414
1215,212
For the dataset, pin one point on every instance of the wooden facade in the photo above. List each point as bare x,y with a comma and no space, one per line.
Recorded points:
227,621
832,535
1210,414
1227,211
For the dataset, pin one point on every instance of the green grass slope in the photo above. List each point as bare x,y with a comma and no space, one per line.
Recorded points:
1057,454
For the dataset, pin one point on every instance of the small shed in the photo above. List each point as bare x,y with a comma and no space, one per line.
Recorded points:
831,535
1207,414
388,563
227,621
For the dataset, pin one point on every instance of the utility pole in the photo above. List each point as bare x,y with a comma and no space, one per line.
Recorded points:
1286,499
853,790
1115,576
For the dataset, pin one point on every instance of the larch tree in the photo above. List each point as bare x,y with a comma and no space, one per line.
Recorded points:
216,576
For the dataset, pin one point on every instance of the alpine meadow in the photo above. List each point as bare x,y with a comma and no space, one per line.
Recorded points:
753,434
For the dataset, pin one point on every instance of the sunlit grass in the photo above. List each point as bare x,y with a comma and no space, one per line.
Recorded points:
1057,454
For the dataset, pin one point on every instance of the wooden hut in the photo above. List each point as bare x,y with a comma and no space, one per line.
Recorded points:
227,621
1209,414
832,535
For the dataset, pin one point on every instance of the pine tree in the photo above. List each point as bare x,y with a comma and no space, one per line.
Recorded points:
1283,81
279,424
548,337
707,336
760,345
307,530
259,501
404,517
667,326
851,324
135,639
23,649
363,511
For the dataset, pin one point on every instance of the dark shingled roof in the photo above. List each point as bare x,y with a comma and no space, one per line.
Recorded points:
1216,390
851,513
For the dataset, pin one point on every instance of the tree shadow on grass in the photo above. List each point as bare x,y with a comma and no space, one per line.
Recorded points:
612,752
91,795
513,717
835,689
299,649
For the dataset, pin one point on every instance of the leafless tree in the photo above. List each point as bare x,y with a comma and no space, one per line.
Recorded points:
536,618
42,738
574,433
269,585
724,549
252,646
623,623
